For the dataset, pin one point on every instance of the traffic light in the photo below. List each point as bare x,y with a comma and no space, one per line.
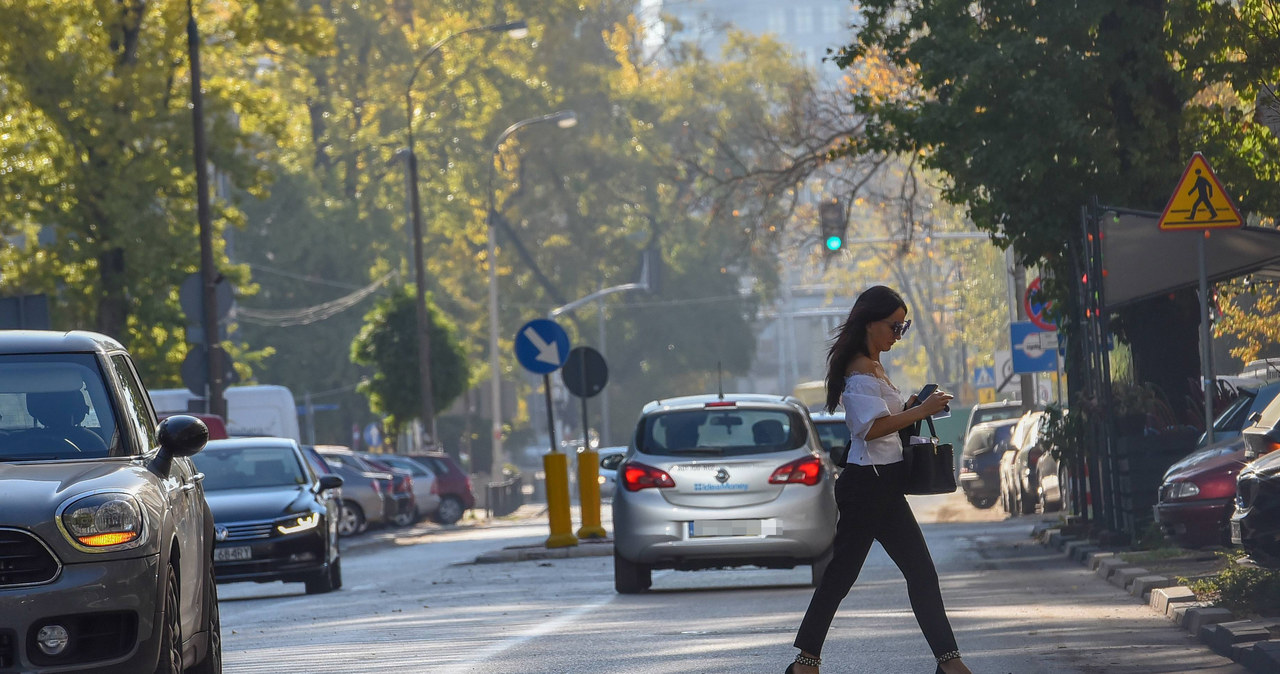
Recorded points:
833,223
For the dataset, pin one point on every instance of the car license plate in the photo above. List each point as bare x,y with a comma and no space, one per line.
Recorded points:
234,554
1235,532
703,528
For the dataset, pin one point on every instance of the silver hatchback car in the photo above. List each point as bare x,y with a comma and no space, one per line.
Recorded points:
715,481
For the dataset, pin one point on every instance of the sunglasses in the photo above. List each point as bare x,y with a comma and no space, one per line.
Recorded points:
899,328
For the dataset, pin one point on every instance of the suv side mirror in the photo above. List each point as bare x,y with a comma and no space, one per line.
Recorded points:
182,435
179,435
328,482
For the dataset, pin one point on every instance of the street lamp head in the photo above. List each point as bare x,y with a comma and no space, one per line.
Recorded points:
566,119
518,29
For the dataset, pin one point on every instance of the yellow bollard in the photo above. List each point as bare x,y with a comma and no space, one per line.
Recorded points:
589,494
556,466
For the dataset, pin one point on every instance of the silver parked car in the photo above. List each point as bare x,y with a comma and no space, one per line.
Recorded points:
713,481
426,492
363,494
610,459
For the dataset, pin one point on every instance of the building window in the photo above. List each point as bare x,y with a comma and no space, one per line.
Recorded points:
804,20
776,21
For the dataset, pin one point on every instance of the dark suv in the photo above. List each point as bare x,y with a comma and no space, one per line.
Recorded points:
106,541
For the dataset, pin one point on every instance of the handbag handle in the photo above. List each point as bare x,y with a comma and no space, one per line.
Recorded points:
932,431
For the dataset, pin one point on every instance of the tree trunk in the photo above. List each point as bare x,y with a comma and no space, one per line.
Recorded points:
113,310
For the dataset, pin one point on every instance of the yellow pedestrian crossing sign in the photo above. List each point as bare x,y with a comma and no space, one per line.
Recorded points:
1199,202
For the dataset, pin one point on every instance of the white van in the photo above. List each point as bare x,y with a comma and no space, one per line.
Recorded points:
251,410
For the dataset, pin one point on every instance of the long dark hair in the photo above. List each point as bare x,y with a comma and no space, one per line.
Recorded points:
874,304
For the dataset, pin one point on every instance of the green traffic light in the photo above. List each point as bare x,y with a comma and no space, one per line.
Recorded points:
834,243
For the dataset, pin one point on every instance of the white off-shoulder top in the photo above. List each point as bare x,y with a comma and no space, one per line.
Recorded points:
866,398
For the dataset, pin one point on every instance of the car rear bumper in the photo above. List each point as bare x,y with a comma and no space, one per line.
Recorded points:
800,527
1195,524
114,600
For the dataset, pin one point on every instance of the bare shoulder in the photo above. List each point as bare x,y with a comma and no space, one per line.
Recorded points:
862,365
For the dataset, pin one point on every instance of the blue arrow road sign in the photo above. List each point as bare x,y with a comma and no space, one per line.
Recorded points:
1034,350
542,346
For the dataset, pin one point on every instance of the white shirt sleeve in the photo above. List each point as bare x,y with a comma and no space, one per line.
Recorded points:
863,404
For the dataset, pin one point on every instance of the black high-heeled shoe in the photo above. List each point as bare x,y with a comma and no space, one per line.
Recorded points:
803,660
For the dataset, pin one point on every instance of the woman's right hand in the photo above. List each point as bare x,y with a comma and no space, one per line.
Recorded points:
935,402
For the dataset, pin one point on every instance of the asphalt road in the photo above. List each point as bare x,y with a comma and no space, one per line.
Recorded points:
414,603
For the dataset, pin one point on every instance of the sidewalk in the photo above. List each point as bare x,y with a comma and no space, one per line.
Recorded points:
1253,643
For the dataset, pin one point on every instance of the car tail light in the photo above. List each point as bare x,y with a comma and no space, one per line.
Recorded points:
637,476
1270,446
801,471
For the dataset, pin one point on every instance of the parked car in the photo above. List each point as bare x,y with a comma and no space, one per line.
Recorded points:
1229,424
426,491
397,495
1263,435
980,461
363,500
106,541
610,459
1195,503
1255,524
1018,477
997,411
403,492
833,433
456,495
720,481
275,518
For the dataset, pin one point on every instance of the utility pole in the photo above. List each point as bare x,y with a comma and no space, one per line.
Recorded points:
1017,285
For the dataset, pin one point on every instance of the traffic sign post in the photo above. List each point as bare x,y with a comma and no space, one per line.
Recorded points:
585,375
542,346
1200,203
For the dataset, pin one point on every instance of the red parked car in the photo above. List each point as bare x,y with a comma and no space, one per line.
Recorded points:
454,485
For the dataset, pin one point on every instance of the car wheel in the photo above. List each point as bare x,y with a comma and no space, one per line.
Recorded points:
321,582
402,519
982,502
352,521
819,567
171,629
1026,503
450,510
212,663
629,577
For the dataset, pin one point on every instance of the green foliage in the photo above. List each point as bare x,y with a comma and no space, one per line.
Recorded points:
1244,590
388,345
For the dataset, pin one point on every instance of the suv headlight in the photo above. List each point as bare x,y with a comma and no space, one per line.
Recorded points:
103,522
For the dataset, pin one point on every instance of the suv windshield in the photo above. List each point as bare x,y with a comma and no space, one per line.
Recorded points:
54,406
249,467
721,432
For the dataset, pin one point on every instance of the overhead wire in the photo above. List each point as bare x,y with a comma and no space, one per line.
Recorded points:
281,318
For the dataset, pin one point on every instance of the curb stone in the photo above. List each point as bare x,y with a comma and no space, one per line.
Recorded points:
1254,644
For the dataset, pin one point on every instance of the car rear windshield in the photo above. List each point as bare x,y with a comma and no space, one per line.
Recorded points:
985,438
996,414
54,406
249,467
721,432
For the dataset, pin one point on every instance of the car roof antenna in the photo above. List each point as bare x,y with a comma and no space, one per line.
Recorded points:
720,379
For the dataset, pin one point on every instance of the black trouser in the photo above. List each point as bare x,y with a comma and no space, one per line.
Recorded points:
873,508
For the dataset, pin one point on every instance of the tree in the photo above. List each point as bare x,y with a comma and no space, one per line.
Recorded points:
95,142
1030,110
387,344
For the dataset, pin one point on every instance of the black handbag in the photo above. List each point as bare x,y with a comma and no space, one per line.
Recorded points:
929,465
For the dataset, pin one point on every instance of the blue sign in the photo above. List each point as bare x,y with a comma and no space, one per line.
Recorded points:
984,377
1034,350
542,346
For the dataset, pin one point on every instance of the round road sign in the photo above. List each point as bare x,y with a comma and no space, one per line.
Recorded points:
585,373
1037,311
541,346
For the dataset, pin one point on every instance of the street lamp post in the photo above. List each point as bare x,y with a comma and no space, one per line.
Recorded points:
563,119
516,29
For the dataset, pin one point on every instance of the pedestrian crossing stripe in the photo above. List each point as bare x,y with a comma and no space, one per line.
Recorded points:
1199,202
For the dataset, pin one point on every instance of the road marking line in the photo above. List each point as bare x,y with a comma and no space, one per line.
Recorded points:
541,630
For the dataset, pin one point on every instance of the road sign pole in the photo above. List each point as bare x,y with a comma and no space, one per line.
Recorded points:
1206,344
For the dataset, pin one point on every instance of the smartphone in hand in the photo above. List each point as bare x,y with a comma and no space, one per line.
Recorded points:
927,391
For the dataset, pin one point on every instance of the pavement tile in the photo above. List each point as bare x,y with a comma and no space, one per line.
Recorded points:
1122,577
1142,585
1220,637
1261,657
1108,566
1162,598
1095,558
1199,616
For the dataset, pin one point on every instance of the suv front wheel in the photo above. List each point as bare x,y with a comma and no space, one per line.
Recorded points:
629,577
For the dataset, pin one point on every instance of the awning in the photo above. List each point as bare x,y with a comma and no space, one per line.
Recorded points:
1140,261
